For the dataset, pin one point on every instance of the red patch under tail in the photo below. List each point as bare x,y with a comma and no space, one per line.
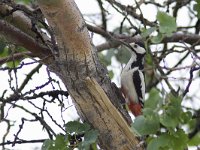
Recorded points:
135,108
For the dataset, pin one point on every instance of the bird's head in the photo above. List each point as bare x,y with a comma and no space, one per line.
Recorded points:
138,48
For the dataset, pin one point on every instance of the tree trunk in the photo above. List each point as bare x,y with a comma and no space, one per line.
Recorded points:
77,65
84,77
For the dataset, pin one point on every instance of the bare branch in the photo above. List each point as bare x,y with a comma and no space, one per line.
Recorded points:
131,11
189,38
15,35
22,142
103,15
192,70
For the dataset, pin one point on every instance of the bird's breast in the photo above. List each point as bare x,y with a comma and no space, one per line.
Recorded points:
127,82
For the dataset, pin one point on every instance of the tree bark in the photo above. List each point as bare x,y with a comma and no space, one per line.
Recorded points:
86,80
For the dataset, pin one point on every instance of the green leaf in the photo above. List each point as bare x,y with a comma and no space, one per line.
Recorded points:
90,138
160,142
197,8
148,32
157,39
147,123
148,59
176,141
186,117
195,141
167,23
2,46
20,49
180,140
77,127
172,106
94,146
123,55
47,145
153,100
13,64
168,121
105,58
24,1
60,143
110,74
6,51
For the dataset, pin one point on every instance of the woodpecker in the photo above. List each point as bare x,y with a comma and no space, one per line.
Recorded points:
132,79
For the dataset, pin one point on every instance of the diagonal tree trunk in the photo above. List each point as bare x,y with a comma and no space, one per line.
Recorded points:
86,80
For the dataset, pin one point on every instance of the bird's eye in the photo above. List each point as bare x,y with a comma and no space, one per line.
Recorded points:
135,46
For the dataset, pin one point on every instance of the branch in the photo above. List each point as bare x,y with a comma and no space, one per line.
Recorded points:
37,117
100,31
25,19
197,126
132,12
103,14
188,38
15,35
190,80
16,56
29,77
193,39
22,142
17,19
20,22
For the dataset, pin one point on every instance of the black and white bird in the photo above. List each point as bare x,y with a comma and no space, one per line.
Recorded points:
132,79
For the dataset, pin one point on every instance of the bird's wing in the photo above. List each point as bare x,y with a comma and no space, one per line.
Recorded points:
138,80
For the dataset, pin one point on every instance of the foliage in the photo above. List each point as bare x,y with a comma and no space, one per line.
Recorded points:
166,117
167,25
121,54
25,1
195,140
197,8
7,50
176,141
78,135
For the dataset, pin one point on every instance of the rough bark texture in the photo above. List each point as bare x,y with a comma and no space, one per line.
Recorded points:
84,77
